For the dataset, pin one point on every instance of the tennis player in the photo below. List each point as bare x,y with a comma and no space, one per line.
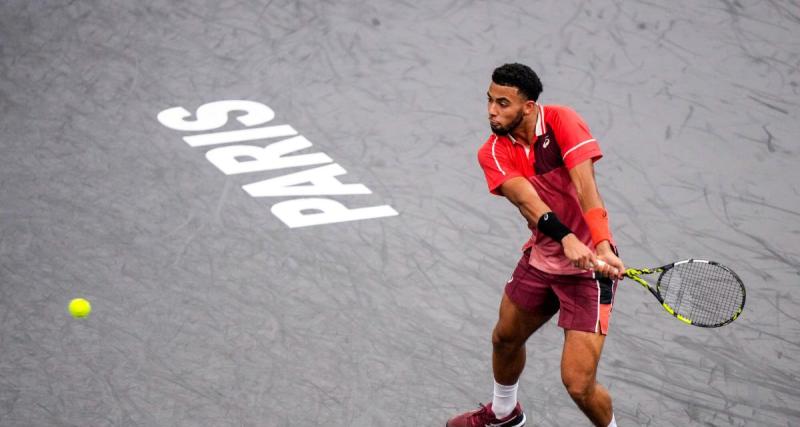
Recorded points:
541,157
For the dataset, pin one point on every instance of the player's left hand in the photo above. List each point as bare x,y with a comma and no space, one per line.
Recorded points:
612,265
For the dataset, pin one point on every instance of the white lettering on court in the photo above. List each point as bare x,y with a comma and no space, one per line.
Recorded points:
318,180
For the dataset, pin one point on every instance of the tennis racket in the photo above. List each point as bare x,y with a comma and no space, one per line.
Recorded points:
697,292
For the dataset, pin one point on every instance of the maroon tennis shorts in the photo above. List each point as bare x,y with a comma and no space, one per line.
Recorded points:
584,301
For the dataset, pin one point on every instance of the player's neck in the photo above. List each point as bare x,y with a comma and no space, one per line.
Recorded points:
525,133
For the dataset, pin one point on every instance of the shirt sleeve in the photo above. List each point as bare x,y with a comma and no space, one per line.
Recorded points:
574,138
495,160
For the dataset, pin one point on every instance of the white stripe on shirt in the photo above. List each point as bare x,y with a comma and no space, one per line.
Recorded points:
578,146
495,156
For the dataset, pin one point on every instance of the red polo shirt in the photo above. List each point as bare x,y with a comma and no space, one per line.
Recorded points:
563,140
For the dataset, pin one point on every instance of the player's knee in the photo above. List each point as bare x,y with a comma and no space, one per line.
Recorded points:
578,386
503,341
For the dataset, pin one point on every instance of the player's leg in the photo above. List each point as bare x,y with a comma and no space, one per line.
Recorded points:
526,305
586,304
579,373
514,326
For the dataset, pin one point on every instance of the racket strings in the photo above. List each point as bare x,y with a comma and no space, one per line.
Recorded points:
707,294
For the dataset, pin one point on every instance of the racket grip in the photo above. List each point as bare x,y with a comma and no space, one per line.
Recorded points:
601,263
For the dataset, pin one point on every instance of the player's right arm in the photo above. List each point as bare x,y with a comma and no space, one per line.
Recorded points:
520,192
505,179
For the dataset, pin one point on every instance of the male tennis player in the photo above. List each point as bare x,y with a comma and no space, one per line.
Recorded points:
540,157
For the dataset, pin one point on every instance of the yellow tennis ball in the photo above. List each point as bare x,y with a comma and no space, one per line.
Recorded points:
79,307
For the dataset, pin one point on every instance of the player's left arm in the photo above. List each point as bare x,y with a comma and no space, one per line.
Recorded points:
594,212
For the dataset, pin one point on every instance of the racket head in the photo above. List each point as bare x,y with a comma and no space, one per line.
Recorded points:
701,292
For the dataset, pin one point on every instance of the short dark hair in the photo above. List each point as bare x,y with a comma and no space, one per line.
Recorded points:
519,76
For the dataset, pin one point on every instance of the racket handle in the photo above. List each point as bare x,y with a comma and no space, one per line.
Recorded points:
601,263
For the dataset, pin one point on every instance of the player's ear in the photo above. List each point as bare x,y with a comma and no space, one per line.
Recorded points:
529,107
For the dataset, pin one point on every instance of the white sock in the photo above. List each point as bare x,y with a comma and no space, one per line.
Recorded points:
613,422
505,399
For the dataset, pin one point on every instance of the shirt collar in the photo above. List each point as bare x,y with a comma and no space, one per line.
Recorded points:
541,126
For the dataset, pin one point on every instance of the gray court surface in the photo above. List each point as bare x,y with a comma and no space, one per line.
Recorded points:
210,311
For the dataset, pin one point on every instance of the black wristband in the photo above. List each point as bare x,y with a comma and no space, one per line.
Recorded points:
552,227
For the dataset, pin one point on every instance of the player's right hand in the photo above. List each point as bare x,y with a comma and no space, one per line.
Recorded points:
608,263
578,254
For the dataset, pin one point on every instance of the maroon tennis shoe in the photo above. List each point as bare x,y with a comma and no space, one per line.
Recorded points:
484,417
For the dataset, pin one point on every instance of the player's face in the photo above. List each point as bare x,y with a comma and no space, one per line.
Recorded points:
506,108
